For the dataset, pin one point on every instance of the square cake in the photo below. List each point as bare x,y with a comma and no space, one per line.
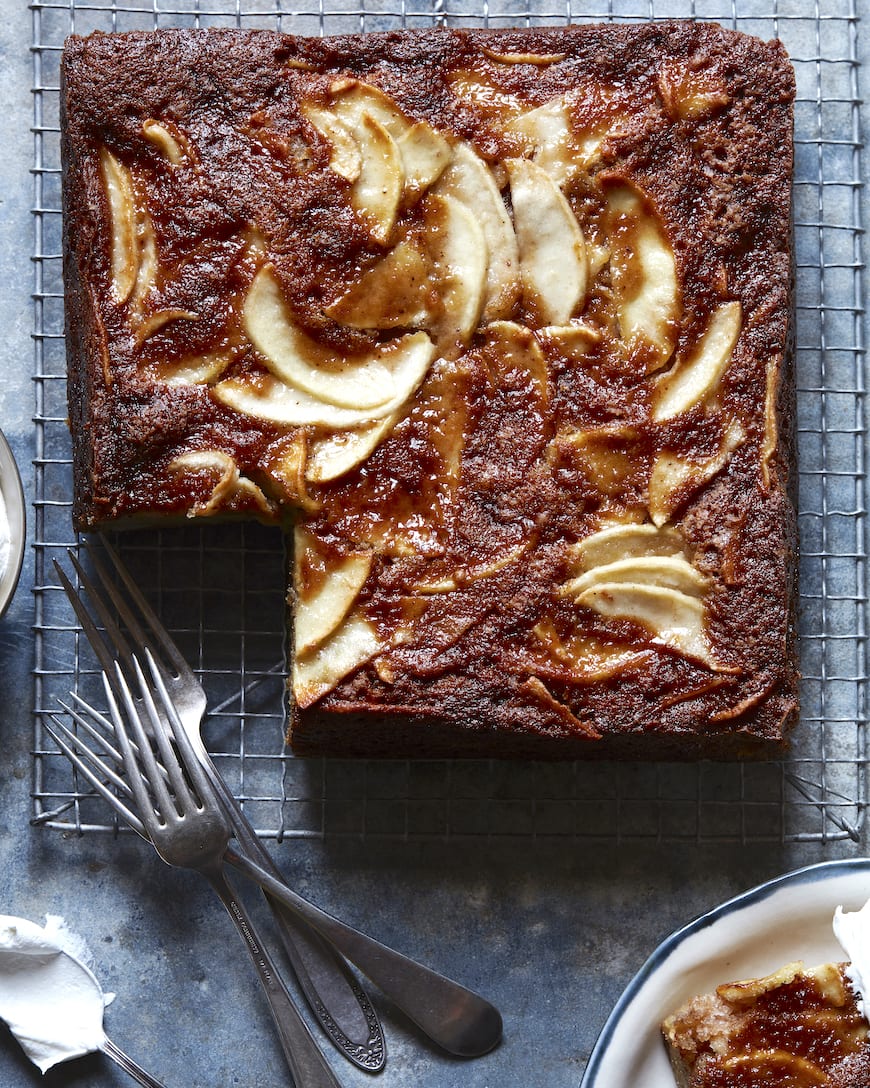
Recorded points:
796,1028
498,325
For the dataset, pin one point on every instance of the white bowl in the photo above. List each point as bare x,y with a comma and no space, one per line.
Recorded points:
12,548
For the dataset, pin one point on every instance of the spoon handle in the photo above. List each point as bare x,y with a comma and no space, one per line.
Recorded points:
338,1001
459,1020
308,1065
128,1065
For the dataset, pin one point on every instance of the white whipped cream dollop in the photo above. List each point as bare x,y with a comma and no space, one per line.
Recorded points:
852,930
50,1000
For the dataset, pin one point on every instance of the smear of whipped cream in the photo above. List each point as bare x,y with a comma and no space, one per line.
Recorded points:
852,930
50,999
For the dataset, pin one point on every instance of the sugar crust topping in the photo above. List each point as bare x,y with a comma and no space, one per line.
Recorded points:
538,254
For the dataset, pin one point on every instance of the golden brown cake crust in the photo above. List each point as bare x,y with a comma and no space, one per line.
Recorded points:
490,667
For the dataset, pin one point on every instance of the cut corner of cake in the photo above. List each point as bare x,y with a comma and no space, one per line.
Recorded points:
499,324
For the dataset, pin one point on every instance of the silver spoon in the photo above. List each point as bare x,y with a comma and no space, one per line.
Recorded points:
51,1001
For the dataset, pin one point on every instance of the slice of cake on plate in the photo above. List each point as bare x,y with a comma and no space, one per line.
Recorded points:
798,1027
500,324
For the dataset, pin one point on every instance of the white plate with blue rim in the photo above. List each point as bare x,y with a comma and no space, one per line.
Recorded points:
12,525
786,919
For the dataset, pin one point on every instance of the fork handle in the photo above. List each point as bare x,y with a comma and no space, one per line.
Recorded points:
459,1020
309,1067
125,1062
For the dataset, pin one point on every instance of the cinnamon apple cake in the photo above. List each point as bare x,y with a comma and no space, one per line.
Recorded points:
497,324
796,1028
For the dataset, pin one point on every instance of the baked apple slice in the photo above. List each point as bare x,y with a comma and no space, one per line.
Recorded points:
553,264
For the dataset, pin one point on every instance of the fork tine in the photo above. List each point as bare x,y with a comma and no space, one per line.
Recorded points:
123,653
118,648
105,656
77,742
161,736
158,631
104,723
101,737
84,617
72,754
120,644
113,593
192,763
141,766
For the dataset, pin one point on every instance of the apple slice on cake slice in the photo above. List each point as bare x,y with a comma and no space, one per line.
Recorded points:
330,638
470,181
396,292
644,275
369,382
265,397
671,571
639,573
334,455
575,341
227,483
323,601
422,151
425,154
458,250
315,674
674,478
624,540
122,216
552,249
345,158
546,134
696,378
133,257
377,191
674,619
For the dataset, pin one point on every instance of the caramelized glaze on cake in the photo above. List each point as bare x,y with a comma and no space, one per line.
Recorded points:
501,320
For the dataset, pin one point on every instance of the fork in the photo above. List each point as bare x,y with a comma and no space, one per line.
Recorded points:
176,839
196,834
338,1001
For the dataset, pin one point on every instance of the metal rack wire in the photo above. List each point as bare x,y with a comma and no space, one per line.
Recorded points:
219,588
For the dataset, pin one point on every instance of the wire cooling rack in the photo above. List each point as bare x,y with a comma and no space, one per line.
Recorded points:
219,589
